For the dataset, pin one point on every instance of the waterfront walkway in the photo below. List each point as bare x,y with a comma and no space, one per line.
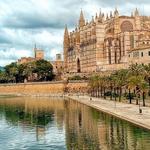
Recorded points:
128,112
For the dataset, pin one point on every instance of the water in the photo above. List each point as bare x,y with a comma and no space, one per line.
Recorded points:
56,124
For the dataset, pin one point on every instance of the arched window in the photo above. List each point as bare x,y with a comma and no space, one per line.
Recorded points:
126,26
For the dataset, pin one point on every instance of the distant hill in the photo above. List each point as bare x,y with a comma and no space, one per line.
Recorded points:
1,68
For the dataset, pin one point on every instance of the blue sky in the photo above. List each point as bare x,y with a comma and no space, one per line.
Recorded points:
26,22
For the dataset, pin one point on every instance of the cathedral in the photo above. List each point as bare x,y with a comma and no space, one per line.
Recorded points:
104,43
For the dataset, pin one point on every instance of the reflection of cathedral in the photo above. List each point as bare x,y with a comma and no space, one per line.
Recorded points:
104,43
56,121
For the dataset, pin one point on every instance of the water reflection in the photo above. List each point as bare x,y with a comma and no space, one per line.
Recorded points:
44,123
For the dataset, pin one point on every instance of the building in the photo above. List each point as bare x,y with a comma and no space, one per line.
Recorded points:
58,64
139,56
25,60
38,55
104,43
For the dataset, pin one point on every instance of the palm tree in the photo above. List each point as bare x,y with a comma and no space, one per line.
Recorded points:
147,75
137,69
120,78
110,85
104,82
136,83
144,87
94,84
136,76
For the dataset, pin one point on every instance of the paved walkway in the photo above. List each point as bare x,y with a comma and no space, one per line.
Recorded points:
129,112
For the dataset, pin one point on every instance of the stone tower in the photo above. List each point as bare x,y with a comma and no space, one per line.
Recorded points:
66,47
38,53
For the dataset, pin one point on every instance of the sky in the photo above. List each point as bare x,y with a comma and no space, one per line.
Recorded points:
26,22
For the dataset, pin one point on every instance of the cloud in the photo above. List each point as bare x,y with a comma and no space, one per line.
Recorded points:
26,22
12,54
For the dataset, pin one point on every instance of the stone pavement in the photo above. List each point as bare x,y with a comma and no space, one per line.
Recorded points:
128,112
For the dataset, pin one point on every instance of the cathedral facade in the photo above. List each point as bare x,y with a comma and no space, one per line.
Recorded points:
104,43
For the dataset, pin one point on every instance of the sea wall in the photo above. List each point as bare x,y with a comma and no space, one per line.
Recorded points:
43,88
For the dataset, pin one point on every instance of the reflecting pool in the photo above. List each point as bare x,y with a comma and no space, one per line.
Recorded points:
57,124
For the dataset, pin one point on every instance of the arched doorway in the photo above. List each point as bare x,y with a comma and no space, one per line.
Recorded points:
78,66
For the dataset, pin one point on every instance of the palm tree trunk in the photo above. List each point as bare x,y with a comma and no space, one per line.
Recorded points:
149,87
120,94
115,93
130,99
137,102
104,93
101,91
98,91
143,96
111,90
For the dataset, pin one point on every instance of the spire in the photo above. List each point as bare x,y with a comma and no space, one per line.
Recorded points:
76,29
87,22
107,17
103,15
66,36
136,13
35,49
66,31
35,46
81,15
81,20
100,14
116,13
111,14
92,19
96,17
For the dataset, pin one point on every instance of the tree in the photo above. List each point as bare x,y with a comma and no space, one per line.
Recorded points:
12,72
144,88
93,83
3,77
44,70
136,83
120,80
137,75
147,75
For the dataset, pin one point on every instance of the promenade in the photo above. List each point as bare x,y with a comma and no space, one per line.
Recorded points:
128,112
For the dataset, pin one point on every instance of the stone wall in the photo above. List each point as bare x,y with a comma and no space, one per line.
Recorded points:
77,87
45,88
